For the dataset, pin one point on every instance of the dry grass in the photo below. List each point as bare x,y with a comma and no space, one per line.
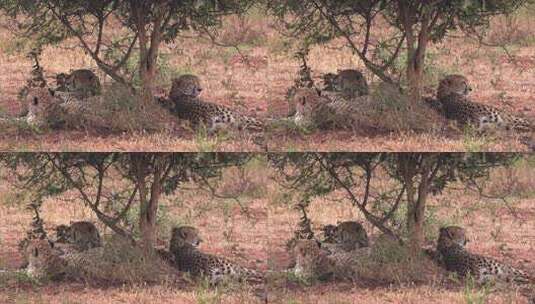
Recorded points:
253,231
235,229
255,81
496,229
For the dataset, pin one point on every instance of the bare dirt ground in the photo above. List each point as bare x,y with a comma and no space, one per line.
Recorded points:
255,79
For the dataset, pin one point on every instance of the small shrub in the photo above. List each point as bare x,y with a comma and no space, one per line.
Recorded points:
391,263
117,111
390,111
121,262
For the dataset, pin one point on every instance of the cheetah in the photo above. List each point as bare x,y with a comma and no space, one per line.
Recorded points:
185,85
453,84
328,233
312,262
304,79
185,104
315,111
49,108
351,235
346,237
84,235
49,261
83,81
188,258
350,83
451,245
453,102
44,261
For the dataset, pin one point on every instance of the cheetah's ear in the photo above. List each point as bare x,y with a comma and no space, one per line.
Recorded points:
51,244
183,233
35,101
318,243
51,92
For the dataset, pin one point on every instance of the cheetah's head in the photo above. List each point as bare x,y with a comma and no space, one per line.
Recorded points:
453,84
62,233
37,254
61,79
188,85
185,235
452,236
38,100
306,252
306,101
350,81
328,231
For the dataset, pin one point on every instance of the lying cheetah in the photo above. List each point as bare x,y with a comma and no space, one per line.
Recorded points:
451,84
84,235
188,258
454,104
451,245
44,261
351,235
48,261
185,85
304,79
48,108
311,262
315,111
350,83
328,233
82,81
185,104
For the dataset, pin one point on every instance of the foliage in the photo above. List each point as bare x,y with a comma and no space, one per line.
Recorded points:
378,31
105,28
386,180
112,183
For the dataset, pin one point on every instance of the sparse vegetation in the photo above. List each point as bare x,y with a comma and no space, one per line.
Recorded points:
251,68
246,214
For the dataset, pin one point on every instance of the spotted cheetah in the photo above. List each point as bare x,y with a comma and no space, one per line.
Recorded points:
351,235
49,108
44,261
185,85
49,261
84,235
188,258
315,111
451,84
350,83
328,233
185,104
311,262
83,81
451,245
304,79
453,103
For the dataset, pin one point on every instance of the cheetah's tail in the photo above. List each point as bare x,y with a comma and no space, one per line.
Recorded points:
252,124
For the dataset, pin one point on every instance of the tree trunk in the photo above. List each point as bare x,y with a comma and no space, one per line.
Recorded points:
140,165
410,166
149,44
416,47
